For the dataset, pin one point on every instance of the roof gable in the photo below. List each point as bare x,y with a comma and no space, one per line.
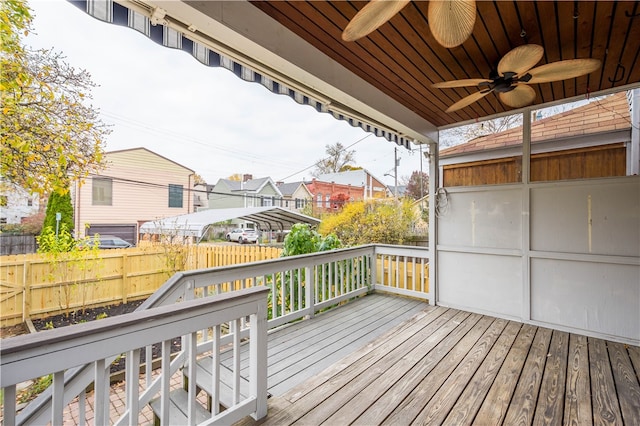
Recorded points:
143,151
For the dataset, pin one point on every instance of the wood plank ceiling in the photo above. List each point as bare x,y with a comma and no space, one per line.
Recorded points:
403,59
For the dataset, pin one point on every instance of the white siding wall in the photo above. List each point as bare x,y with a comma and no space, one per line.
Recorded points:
140,190
580,272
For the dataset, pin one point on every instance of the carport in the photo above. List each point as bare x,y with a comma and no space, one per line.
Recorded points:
196,224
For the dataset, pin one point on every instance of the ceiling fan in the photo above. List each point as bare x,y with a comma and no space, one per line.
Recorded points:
451,21
514,73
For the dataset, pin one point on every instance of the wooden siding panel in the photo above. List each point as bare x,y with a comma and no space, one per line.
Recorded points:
581,163
140,190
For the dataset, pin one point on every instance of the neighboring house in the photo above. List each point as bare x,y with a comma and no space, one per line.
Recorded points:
589,141
331,196
248,192
201,196
16,204
295,195
136,186
372,186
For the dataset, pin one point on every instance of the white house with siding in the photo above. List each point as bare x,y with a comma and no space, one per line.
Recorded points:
136,186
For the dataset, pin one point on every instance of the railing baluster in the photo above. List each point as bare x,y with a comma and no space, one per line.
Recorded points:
132,384
82,404
192,342
9,406
215,372
99,397
148,365
165,386
57,405
413,273
300,291
236,362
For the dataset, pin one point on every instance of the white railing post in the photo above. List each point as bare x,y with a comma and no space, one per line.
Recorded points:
258,360
373,268
310,290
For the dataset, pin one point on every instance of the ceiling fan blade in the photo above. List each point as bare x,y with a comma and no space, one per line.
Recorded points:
521,96
468,100
460,83
562,70
521,59
370,17
451,21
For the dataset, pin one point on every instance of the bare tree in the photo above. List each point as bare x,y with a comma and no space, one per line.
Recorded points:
458,135
337,159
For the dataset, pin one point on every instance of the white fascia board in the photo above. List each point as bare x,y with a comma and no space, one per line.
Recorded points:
243,32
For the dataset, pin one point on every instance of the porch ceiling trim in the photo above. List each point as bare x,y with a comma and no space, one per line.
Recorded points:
157,25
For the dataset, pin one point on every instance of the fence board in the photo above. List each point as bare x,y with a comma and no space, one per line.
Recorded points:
31,287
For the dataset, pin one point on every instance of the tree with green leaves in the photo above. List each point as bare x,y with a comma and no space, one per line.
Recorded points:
59,203
50,135
337,159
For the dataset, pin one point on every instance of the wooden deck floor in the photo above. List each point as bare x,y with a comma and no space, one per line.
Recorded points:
444,366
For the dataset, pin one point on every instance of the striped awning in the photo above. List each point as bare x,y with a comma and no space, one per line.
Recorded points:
154,28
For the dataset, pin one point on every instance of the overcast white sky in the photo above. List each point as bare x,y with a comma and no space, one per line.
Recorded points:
204,118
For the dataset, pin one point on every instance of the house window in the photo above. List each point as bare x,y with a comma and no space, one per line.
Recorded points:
29,202
319,200
328,200
175,195
267,202
102,191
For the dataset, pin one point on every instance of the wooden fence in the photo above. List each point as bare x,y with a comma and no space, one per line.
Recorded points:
31,286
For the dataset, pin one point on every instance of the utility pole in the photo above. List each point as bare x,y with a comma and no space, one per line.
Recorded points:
395,171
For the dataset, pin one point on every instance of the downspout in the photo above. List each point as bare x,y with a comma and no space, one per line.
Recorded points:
189,196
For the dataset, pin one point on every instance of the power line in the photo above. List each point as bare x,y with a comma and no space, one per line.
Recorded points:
316,163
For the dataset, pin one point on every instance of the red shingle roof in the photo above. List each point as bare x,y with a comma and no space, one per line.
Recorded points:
604,115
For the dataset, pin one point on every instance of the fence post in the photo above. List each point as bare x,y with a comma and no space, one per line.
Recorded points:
26,290
125,278
373,268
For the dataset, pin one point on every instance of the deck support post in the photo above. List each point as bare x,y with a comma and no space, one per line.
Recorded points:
258,359
309,289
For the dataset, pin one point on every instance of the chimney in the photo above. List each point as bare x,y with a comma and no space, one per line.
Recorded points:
246,177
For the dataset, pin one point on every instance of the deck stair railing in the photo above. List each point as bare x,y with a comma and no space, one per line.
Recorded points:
297,287
57,351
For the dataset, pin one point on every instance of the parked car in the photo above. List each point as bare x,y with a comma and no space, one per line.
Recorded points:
108,242
243,235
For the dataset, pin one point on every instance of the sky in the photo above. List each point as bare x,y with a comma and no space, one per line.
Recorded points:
204,118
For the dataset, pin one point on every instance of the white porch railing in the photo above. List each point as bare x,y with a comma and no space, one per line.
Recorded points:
297,287
94,344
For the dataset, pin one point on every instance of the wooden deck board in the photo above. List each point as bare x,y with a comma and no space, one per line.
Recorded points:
445,366
550,407
606,410
577,407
